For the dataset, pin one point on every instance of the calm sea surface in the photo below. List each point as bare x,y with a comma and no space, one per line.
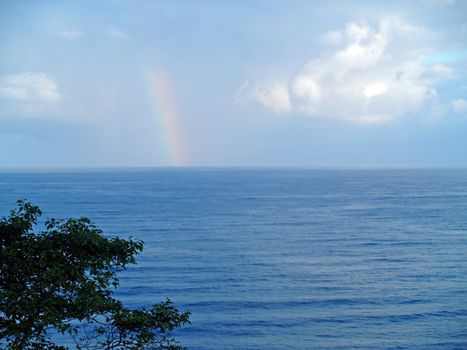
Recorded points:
282,259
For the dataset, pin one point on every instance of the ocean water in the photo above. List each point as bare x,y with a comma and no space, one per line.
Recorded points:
282,259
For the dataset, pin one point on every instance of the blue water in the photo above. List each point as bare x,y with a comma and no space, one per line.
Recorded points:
283,259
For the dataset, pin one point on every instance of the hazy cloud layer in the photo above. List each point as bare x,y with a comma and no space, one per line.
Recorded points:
71,34
36,87
376,75
116,33
273,95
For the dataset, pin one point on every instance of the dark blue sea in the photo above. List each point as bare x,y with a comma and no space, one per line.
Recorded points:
271,259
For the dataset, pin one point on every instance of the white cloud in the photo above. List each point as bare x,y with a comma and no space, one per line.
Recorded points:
71,34
436,71
459,105
35,87
375,89
376,76
273,95
116,33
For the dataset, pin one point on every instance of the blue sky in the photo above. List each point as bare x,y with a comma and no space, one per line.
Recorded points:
245,83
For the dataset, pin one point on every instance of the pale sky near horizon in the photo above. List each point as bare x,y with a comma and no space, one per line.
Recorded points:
233,83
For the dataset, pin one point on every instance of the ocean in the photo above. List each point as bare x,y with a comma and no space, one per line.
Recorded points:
269,259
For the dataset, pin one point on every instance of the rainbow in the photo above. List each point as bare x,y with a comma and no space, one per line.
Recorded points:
165,112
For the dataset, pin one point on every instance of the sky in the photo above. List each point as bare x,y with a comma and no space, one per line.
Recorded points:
114,83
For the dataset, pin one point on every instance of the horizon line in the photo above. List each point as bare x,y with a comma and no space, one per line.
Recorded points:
84,168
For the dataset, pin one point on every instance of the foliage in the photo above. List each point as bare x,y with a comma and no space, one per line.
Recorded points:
61,280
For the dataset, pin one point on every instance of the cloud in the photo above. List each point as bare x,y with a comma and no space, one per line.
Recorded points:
376,76
116,33
34,87
273,95
71,34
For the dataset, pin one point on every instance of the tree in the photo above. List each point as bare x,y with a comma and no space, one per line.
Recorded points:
61,280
